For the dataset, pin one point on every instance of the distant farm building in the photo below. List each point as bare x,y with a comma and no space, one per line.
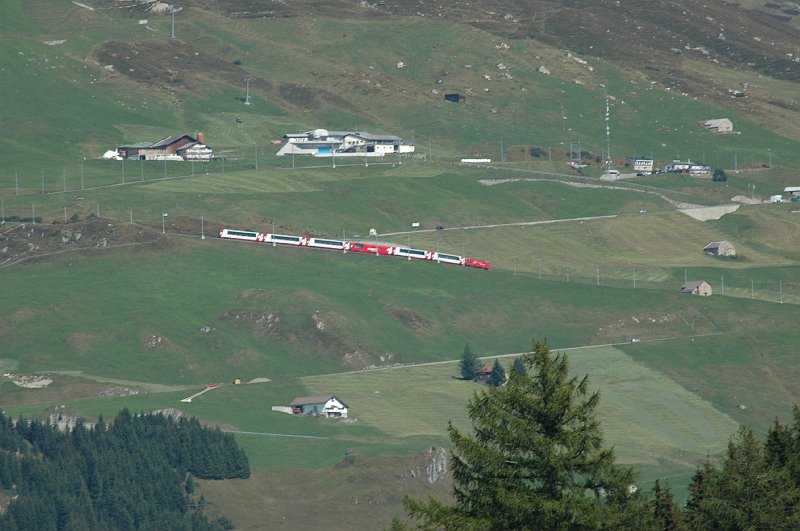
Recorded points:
719,125
455,97
325,406
792,190
688,167
639,164
482,374
324,143
697,287
721,248
178,147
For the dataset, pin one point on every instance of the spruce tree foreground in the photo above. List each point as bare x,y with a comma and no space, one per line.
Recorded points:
535,460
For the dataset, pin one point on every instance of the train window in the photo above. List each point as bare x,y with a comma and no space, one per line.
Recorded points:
414,252
449,257
285,238
241,233
358,246
328,242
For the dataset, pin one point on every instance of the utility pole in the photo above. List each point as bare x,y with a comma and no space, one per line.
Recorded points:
172,34
247,80
608,139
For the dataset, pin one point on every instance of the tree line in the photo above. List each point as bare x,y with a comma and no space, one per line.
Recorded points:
535,460
135,472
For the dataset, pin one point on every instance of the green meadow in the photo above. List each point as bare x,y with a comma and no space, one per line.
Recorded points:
587,264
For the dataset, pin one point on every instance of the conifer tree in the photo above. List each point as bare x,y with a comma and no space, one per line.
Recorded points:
783,446
469,364
744,491
667,513
535,460
498,376
519,366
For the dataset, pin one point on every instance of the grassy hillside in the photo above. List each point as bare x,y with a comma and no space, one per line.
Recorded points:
312,72
130,316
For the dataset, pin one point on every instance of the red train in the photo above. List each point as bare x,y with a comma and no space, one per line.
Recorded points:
356,247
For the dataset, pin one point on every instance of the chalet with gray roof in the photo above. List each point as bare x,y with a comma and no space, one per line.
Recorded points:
175,147
697,287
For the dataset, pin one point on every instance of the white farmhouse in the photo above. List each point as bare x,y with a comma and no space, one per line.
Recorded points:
324,143
687,166
325,406
639,164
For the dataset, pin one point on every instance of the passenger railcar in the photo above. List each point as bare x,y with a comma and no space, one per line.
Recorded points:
354,246
406,252
244,235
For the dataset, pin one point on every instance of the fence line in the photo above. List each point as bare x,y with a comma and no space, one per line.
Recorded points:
724,282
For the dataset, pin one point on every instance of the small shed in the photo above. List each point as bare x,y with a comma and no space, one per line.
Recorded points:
455,97
325,406
792,190
719,125
697,287
721,248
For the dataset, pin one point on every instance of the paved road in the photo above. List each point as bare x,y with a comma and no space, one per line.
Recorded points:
516,354
517,224
237,432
